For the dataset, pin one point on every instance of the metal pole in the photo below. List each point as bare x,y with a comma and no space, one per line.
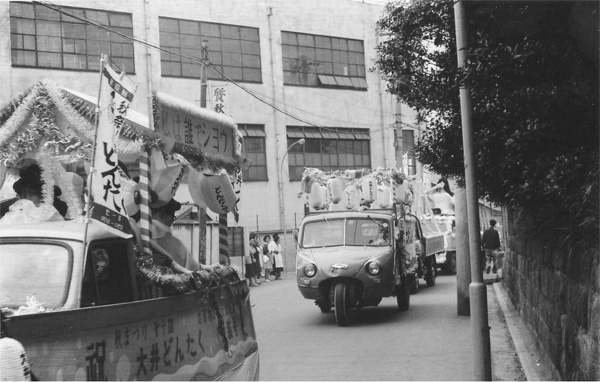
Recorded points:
202,210
281,201
463,266
482,366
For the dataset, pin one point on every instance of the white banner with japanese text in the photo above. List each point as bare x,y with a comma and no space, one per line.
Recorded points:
108,207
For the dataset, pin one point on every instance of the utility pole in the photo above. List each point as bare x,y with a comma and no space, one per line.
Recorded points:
202,210
482,365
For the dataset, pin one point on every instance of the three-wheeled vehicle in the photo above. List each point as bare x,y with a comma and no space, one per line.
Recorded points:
351,259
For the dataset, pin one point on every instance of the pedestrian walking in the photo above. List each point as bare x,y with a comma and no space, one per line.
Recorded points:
275,249
267,258
490,243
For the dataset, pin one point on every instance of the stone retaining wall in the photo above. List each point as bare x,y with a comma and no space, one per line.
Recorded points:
557,292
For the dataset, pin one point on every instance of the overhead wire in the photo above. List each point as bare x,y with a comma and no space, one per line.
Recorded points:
261,98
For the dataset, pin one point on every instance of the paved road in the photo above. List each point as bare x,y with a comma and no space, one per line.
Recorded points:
298,342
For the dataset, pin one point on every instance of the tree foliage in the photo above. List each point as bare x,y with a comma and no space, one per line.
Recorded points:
532,69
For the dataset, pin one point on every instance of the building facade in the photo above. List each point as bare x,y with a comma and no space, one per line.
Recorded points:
283,70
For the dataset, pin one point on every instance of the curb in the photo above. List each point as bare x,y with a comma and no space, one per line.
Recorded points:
523,340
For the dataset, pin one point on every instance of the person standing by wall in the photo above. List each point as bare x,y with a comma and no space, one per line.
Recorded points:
249,261
267,258
490,242
275,249
257,257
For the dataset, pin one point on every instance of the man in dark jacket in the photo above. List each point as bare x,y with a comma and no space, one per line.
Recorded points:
490,242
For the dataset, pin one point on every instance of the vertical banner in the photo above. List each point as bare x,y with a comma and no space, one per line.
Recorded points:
108,206
218,94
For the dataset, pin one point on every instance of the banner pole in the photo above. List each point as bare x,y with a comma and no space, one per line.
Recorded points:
90,176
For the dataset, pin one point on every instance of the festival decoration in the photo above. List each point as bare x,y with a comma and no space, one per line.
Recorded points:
56,126
354,183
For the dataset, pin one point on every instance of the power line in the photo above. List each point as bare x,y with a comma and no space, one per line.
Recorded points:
260,98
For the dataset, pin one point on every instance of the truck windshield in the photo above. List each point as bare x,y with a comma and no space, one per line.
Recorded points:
33,277
327,233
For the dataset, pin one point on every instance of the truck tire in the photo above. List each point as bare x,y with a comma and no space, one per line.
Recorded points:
403,295
413,282
451,262
430,271
342,305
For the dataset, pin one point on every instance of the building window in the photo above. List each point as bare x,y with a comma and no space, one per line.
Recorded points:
409,164
323,61
66,37
254,149
233,50
327,149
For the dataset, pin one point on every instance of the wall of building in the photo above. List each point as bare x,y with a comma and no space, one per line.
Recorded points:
557,292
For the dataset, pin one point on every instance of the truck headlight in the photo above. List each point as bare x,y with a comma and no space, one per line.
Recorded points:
373,268
310,270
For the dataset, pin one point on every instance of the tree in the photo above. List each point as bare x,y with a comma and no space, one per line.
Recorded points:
532,68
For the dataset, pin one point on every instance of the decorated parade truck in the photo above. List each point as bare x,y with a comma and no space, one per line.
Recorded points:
358,242
81,310
86,290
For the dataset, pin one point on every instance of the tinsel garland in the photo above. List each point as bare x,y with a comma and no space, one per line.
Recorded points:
173,283
17,119
45,162
8,109
77,122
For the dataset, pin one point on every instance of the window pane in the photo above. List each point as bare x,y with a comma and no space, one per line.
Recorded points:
332,56
50,60
226,43
21,10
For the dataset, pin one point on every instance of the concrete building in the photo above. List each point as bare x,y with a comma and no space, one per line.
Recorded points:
283,70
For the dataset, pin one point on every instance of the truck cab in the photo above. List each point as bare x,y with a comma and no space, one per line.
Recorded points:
351,259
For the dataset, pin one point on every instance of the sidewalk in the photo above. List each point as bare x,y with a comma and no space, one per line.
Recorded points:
513,347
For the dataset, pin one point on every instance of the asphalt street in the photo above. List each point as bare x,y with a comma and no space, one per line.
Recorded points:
427,342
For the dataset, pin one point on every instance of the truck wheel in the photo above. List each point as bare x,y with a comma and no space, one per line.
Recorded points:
342,309
451,262
430,271
325,306
403,296
413,282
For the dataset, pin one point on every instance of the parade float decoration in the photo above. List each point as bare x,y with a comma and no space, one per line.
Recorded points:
354,189
55,127
62,129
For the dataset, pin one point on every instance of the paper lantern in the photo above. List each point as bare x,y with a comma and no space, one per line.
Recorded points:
368,190
354,173
351,197
194,178
384,198
317,197
218,193
334,190
165,176
399,191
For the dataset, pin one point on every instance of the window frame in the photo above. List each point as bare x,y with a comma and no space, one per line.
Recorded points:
30,46
258,170
341,61
233,49
328,149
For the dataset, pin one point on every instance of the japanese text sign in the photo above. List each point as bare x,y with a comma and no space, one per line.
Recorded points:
115,98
